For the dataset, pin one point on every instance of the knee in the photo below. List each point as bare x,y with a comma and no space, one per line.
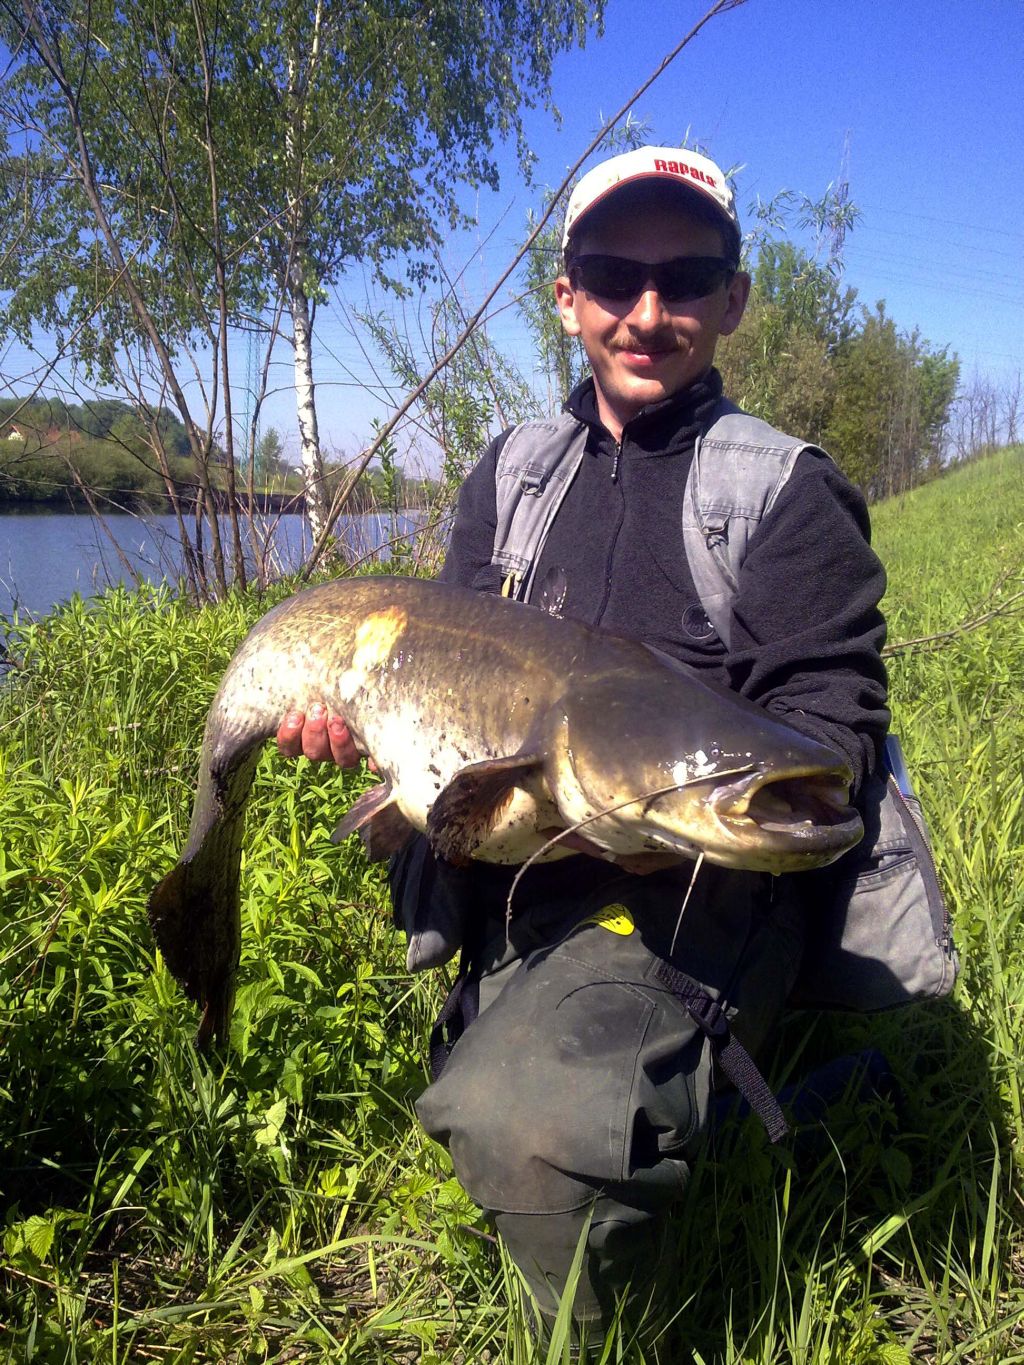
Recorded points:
544,1096
511,1153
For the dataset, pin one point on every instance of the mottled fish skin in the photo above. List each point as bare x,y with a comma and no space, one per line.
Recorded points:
432,680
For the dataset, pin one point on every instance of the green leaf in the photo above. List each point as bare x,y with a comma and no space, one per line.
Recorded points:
898,1167
38,1234
274,1117
891,1354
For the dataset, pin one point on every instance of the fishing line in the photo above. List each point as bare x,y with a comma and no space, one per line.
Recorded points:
610,810
686,900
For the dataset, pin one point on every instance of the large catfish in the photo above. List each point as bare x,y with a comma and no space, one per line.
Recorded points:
493,725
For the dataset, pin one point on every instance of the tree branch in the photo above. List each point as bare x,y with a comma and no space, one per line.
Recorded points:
343,494
926,643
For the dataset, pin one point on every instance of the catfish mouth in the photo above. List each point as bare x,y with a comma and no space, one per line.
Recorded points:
805,810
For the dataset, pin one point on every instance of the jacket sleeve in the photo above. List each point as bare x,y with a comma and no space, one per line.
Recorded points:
807,632
468,561
430,900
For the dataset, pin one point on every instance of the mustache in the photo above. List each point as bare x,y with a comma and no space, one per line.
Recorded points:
658,341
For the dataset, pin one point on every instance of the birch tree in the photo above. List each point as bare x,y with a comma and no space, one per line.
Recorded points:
205,166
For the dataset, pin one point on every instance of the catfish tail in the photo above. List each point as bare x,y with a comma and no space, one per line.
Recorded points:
195,910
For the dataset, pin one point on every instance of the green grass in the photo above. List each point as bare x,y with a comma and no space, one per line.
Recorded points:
282,1204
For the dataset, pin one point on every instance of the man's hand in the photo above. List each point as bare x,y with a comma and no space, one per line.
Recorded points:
320,737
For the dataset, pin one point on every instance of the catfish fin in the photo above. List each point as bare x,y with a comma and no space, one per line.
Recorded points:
363,809
194,915
579,843
469,807
381,825
385,833
214,1025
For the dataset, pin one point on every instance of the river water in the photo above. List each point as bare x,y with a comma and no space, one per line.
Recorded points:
45,557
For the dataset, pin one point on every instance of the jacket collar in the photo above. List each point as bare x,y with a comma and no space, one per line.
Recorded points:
660,427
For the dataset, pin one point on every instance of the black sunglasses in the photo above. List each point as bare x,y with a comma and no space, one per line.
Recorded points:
677,281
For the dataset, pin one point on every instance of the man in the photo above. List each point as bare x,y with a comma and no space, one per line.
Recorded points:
574,1102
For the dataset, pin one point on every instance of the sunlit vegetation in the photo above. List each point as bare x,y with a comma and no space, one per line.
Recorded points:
281,1203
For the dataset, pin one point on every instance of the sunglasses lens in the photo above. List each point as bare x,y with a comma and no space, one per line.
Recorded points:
618,278
689,278
610,277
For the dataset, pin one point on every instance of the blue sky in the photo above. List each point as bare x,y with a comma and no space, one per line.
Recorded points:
925,95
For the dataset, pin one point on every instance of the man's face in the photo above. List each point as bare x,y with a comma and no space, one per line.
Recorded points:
644,349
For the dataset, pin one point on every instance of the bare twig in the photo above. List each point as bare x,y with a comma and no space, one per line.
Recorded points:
87,494
925,643
342,496
49,54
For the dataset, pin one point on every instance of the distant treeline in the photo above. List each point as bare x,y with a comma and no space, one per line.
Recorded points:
50,451
42,420
811,359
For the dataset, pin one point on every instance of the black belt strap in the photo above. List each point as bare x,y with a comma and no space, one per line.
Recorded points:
729,1052
457,1013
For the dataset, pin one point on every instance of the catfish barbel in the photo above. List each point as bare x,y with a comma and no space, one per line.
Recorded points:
493,725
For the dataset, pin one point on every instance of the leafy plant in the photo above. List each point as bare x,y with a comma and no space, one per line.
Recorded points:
279,1202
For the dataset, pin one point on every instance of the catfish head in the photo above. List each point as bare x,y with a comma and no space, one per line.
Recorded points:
668,761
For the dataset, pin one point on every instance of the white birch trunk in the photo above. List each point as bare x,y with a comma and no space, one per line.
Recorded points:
305,406
300,73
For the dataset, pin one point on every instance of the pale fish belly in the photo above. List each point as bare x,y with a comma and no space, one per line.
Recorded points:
620,826
516,835
421,760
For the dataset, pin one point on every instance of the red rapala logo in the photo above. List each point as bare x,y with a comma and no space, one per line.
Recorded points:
681,168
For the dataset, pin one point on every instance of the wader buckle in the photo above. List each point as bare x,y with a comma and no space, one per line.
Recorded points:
709,1016
729,1052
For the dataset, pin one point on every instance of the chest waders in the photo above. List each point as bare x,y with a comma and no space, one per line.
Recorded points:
575,1104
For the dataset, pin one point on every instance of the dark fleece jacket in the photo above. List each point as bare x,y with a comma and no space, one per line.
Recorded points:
807,632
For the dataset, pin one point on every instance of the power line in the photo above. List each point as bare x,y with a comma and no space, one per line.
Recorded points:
867,228
918,263
1008,301
948,222
960,291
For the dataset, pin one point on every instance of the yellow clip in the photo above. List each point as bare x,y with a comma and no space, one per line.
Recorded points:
615,918
510,585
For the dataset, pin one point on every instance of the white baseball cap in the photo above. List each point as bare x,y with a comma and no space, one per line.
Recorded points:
690,169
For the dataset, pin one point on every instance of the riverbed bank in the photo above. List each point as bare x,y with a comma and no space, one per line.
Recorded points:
49,554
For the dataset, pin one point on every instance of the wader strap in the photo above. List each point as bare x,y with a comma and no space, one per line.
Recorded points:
457,1013
728,1051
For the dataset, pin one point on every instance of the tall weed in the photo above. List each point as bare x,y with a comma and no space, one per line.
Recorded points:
279,1201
